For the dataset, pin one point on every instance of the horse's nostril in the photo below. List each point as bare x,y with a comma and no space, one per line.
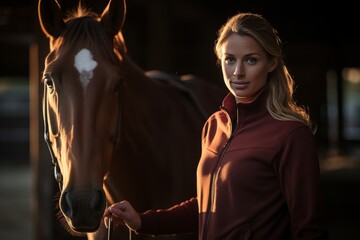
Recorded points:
97,202
68,205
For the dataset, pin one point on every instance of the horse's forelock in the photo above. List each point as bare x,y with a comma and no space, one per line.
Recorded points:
80,11
84,27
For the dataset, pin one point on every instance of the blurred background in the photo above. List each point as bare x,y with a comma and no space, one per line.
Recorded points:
322,48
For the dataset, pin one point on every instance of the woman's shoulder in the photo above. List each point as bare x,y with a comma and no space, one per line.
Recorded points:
296,131
289,127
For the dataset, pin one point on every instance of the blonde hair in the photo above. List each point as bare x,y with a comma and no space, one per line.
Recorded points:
280,102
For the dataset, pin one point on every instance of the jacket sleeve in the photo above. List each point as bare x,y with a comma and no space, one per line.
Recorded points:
299,176
178,219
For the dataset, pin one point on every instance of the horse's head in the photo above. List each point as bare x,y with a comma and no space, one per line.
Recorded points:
81,105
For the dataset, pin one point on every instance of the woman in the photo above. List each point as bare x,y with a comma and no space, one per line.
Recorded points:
258,176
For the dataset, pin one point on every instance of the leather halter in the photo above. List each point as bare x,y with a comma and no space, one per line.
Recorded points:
57,173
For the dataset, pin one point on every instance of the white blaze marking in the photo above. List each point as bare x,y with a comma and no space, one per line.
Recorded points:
85,65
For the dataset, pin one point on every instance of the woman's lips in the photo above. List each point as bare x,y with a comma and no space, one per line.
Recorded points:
240,85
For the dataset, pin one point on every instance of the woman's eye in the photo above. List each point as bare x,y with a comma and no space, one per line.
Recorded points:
251,61
229,60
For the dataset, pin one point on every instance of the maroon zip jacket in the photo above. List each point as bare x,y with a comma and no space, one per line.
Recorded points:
257,179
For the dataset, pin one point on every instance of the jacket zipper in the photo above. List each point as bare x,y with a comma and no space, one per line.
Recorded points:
212,181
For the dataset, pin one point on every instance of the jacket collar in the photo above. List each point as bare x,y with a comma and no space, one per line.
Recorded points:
246,111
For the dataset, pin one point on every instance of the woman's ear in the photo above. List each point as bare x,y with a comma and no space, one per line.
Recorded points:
273,64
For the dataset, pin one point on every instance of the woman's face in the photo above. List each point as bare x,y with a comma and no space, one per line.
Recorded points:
245,66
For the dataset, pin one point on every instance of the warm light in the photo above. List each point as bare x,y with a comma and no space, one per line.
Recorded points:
351,74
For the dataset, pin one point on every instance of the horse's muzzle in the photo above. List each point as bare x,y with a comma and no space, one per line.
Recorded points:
83,210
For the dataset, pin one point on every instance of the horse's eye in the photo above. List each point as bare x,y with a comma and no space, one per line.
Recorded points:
49,82
119,85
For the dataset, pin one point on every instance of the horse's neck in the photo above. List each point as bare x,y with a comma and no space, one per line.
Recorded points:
134,76
143,97
136,98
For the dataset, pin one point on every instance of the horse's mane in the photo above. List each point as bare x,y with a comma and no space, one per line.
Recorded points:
83,25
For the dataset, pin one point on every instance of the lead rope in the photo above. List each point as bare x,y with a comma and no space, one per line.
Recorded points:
109,233
109,229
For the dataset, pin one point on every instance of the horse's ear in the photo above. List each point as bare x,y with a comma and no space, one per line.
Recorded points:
50,17
113,17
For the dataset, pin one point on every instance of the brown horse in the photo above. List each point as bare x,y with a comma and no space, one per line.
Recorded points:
115,131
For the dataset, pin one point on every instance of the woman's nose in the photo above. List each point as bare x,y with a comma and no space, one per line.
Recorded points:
239,71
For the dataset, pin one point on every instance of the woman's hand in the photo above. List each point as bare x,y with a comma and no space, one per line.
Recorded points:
123,213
